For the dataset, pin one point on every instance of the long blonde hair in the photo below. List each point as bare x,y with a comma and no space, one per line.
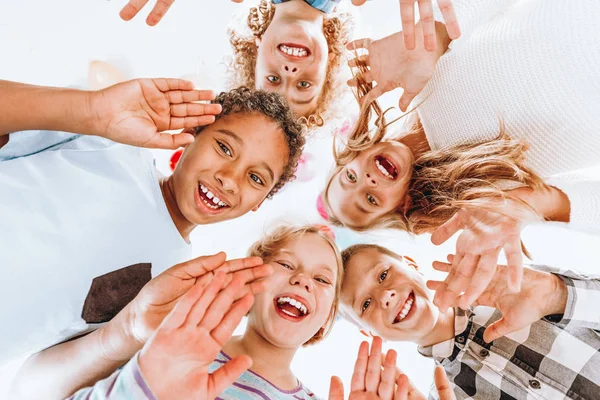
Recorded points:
272,242
337,28
443,181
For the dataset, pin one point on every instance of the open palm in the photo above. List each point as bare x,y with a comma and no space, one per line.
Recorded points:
175,361
137,112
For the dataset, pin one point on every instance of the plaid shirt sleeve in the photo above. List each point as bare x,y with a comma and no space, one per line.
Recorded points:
583,298
124,383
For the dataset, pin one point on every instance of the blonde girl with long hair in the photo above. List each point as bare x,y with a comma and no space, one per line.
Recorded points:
493,146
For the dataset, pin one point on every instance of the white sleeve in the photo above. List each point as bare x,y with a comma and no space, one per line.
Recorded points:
582,187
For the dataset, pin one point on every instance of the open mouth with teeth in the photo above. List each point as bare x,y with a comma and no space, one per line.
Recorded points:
407,310
290,308
386,167
294,50
209,199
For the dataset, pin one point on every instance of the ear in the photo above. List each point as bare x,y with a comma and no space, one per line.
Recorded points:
258,206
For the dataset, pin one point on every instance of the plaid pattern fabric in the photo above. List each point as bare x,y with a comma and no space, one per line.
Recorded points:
326,6
555,358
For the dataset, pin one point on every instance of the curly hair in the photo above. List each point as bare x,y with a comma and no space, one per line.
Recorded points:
271,243
337,28
443,181
274,107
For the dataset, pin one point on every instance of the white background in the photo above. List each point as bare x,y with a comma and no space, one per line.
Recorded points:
53,42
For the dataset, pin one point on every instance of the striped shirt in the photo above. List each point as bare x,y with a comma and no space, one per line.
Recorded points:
326,6
556,357
128,383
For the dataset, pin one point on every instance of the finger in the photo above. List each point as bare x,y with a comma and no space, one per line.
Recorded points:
163,140
198,266
191,109
221,304
360,368
226,375
450,19
168,84
362,60
497,330
190,122
427,24
202,305
441,292
442,384
253,278
434,285
176,96
442,266
243,263
359,44
131,9
336,389
182,309
373,374
402,388
481,279
514,260
388,376
447,229
450,257
222,333
405,99
407,14
159,11
459,278
366,78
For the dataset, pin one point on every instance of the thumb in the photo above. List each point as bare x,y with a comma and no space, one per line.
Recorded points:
496,330
336,389
201,265
226,375
162,140
405,100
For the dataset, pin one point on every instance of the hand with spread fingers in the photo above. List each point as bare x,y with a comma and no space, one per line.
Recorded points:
428,30
484,234
391,65
175,361
146,312
137,112
541,294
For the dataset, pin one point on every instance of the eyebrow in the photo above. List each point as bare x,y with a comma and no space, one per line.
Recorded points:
240,141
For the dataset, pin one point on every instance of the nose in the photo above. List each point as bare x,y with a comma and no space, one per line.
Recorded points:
289,70
386,298
302,281
370,179
228,180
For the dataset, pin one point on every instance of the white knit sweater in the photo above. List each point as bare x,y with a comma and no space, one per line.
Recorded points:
535,64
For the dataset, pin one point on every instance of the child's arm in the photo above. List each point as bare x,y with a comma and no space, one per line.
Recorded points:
63,369
135,112
174,363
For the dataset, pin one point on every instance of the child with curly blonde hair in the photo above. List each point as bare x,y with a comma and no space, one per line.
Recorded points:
294,48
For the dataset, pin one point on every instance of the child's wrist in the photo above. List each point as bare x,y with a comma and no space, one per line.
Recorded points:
117,339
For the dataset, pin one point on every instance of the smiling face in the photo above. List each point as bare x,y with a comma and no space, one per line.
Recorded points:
301,292
387,295
230,168
292,58
373,184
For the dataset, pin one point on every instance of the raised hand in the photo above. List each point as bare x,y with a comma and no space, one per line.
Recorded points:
484,234
407,14
159,296
176,359
137,112
392,65
369,381
408,391
132,8
541,294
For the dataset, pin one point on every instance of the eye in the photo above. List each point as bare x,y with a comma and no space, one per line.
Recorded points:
350,176
323,280
383,275
371,200
303,84
366,305
257,179
273,78
285,265
224,148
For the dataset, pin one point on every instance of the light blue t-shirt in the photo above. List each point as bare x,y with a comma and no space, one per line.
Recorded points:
83,227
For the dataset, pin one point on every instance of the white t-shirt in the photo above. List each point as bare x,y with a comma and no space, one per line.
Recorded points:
72,210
